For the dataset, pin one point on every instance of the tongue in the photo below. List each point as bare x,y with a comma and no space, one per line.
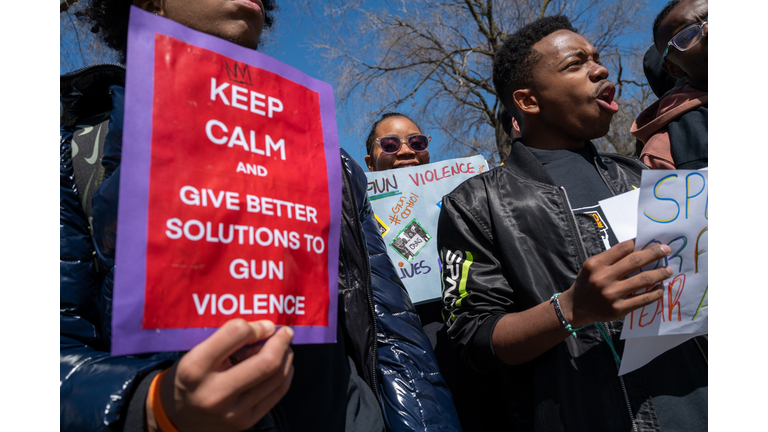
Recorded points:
611,106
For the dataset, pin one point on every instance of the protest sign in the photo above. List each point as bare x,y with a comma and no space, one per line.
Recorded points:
671,208
407,203
213,222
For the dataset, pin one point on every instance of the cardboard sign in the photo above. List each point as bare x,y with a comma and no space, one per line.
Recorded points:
213,221
671,207
407,205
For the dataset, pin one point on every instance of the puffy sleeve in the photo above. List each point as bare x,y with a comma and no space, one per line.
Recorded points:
94,388
414,394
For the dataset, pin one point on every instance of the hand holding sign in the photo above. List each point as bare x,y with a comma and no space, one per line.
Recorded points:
206,390
603,292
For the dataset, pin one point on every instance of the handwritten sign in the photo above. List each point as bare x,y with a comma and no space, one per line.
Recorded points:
673,210
407,205
214,224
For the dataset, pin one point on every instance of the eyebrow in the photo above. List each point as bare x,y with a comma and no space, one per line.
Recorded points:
577,53
571,54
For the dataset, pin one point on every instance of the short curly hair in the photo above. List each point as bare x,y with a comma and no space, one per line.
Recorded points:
514,63
109,20
660,17
372,135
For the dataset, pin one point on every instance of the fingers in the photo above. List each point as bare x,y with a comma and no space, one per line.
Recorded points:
614,254
637,260
651,281
640,300
272,360
212,352
275,382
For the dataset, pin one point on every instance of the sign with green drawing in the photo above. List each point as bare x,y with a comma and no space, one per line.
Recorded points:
407,203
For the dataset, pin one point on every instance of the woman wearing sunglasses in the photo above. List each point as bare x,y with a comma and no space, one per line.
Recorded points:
396,142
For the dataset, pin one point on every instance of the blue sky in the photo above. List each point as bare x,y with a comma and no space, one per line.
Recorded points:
288,43
292,48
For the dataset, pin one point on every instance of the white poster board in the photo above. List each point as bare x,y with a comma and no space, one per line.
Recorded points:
670,208
407,204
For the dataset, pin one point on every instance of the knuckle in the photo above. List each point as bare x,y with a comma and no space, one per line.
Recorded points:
597,280
206,403
189,373
646,279
616,310
635,260
590,265
271,362
626,247
238,327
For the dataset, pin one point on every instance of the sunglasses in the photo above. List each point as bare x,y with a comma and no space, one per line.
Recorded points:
687,38
390,144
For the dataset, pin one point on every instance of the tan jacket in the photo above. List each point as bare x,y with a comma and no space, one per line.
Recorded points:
650,127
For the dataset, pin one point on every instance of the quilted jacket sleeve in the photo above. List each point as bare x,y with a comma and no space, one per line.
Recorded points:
414,394
94,387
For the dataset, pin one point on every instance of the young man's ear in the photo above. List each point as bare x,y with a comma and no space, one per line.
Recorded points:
153,6
526,101
515,131
672,69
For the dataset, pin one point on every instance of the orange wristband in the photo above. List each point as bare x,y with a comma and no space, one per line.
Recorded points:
157,404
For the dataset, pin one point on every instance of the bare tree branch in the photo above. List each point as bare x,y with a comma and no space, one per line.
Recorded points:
64,5
435,58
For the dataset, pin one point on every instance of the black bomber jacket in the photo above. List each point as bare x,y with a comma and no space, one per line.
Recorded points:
508,240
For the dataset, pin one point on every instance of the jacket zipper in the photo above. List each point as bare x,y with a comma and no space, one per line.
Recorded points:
368,290
621,380
83,69
701,351
582,251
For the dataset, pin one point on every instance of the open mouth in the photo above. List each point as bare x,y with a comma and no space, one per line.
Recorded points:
605,98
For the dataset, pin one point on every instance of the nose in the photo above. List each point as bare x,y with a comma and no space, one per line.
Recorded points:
405,150
598,72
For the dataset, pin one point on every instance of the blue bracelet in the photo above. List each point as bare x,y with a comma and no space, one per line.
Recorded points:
561,317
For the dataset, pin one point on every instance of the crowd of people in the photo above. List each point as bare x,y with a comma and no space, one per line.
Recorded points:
529,340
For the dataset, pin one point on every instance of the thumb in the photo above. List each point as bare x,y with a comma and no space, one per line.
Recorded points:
233,335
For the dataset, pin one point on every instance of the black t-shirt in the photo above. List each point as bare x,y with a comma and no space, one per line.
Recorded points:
574,170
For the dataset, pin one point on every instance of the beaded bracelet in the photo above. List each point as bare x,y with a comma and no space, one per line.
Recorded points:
163,422
561,317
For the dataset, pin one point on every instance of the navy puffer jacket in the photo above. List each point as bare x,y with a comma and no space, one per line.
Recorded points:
392,353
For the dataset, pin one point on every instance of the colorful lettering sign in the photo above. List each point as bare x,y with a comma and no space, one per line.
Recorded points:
673,210
214,224
407,205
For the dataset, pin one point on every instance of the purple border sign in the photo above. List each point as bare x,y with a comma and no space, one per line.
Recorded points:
128,337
